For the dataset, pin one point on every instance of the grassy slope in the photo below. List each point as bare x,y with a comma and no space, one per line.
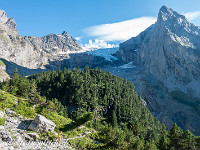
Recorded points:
72,132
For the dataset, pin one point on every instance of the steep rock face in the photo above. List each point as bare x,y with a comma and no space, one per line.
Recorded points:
29,51
166,47
167,60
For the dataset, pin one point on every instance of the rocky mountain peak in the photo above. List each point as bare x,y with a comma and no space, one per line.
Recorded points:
64,33
167,14
170,27
3,17
6,22
11,23
173,21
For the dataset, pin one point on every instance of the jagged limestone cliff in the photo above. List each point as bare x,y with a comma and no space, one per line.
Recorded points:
29,51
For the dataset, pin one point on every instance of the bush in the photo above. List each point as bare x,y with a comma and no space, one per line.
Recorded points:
6,100
60,121
48,136
25,109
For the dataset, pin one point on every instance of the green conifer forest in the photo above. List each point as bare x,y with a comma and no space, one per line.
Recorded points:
102,101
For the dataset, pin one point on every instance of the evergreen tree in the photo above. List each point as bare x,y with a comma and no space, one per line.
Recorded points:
150,145
114,119
163,143
33,91
188,140
175,137
15,75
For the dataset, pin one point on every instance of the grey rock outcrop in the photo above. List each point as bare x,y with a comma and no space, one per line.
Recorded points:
42,124
35,136
33,52
12,137
167,60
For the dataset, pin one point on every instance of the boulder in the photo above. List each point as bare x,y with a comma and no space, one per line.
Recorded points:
1,127
42,124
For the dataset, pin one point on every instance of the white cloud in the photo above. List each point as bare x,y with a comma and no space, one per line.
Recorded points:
97,44
120,31
192,15
78,38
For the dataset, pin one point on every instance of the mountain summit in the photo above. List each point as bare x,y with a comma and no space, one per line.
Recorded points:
166,46
167,60
167,15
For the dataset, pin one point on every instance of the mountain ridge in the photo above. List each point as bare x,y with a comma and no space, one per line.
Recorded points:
33,52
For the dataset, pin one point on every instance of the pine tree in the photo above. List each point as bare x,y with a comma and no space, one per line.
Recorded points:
58,71
150,145
188,140
114,119
175,137
33,90
61,77
15,75
163,143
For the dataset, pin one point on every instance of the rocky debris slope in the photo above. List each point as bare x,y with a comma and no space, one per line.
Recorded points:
15,134
166,56
33,52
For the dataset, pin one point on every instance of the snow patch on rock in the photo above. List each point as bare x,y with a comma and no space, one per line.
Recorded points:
127,66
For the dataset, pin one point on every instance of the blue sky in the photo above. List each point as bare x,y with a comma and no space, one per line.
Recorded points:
94,20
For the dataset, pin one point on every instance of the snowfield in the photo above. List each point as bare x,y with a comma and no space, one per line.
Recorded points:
105,53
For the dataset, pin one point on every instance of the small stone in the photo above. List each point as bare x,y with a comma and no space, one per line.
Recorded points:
1,127
27,138
35,136
4,137
19,138
2,132
9,139
20,117
11,148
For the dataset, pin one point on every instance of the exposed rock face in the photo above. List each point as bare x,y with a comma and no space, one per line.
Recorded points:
29,51
42,124
167,59
2,67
